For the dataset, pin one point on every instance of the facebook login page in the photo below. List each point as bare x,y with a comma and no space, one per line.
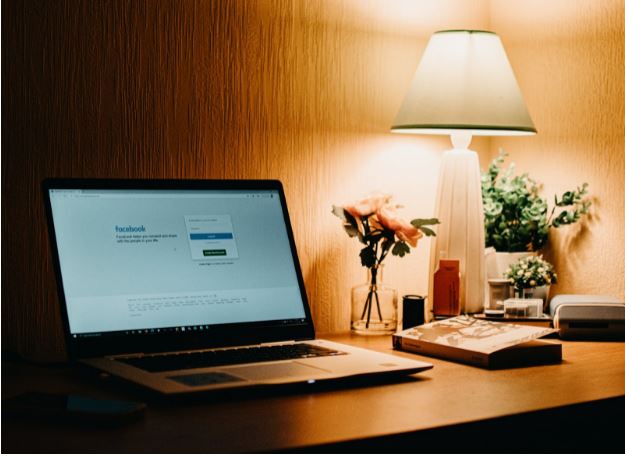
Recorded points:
137,259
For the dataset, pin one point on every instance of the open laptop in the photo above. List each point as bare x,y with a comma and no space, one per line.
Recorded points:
189,285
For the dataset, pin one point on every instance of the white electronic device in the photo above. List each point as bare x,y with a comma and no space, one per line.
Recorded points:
588,316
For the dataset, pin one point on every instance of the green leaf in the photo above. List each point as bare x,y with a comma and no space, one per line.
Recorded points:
418,223
350,219
373,238
350,230
367,256
339,212
387,243
400,249
344,215
349,223
567,199
583,189
427,231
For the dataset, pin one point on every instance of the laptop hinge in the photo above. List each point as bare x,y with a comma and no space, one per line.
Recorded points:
277,342
126,355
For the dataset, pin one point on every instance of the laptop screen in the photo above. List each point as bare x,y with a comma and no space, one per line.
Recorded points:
142,262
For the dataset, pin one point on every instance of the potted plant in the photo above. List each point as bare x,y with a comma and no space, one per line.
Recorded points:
528,273
517,220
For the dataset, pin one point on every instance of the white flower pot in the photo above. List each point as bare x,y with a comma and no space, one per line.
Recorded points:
542,292
496,265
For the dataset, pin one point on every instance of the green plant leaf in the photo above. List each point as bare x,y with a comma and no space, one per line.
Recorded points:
388,243
418,223
427,231
350,218
567,199
373,238
400,249
350,230
349,223
583,189
367,256
339,212
516,217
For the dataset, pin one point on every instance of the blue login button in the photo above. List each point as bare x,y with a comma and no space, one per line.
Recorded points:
202,236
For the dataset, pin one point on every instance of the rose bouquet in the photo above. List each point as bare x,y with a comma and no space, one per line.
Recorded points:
531,272
375,222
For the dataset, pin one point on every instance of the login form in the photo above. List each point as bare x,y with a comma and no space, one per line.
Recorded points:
211,236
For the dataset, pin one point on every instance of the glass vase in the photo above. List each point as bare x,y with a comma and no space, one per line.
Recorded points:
374,306
541,292
525,293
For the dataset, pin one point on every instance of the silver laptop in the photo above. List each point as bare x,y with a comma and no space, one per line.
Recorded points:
186,285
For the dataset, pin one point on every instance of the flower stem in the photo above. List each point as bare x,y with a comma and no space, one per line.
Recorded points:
367,304
373,294
553,210
369,299
377,302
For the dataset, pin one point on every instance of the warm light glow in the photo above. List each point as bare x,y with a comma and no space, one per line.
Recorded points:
411,17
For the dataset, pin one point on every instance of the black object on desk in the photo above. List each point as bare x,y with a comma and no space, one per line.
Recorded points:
72,407
413,307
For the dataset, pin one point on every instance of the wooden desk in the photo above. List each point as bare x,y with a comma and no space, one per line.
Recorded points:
449,408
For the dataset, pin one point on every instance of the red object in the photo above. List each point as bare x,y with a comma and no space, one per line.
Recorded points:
447,288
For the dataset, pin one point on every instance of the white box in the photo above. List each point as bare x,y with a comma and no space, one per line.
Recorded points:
523,308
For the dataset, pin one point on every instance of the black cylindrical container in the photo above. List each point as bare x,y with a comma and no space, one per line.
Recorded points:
413,307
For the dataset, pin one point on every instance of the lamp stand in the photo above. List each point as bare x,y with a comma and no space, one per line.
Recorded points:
460,235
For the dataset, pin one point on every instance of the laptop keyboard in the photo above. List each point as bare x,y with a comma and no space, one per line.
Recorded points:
223,357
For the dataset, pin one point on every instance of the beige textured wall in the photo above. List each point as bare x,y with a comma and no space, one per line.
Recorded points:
569,58
303,91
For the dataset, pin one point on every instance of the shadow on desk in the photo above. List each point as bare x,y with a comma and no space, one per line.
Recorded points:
592,427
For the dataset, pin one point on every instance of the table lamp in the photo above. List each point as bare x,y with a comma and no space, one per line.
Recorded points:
463,86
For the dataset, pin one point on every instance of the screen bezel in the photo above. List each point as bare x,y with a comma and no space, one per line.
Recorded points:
217,335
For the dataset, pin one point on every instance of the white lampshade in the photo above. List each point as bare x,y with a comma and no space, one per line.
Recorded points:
464,82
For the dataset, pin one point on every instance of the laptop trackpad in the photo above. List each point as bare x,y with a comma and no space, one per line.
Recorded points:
276,370
209,378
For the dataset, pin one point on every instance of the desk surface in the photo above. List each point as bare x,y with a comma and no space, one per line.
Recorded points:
449,395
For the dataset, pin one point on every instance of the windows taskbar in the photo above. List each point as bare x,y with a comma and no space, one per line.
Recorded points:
177,329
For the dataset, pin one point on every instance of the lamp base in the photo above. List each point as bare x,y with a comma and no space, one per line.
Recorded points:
460,234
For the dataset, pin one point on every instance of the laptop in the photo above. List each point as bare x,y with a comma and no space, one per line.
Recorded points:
190,285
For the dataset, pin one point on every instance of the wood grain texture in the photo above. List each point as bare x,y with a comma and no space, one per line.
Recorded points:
301,91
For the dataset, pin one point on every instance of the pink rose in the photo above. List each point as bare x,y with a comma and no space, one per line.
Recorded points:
387,215
368,205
